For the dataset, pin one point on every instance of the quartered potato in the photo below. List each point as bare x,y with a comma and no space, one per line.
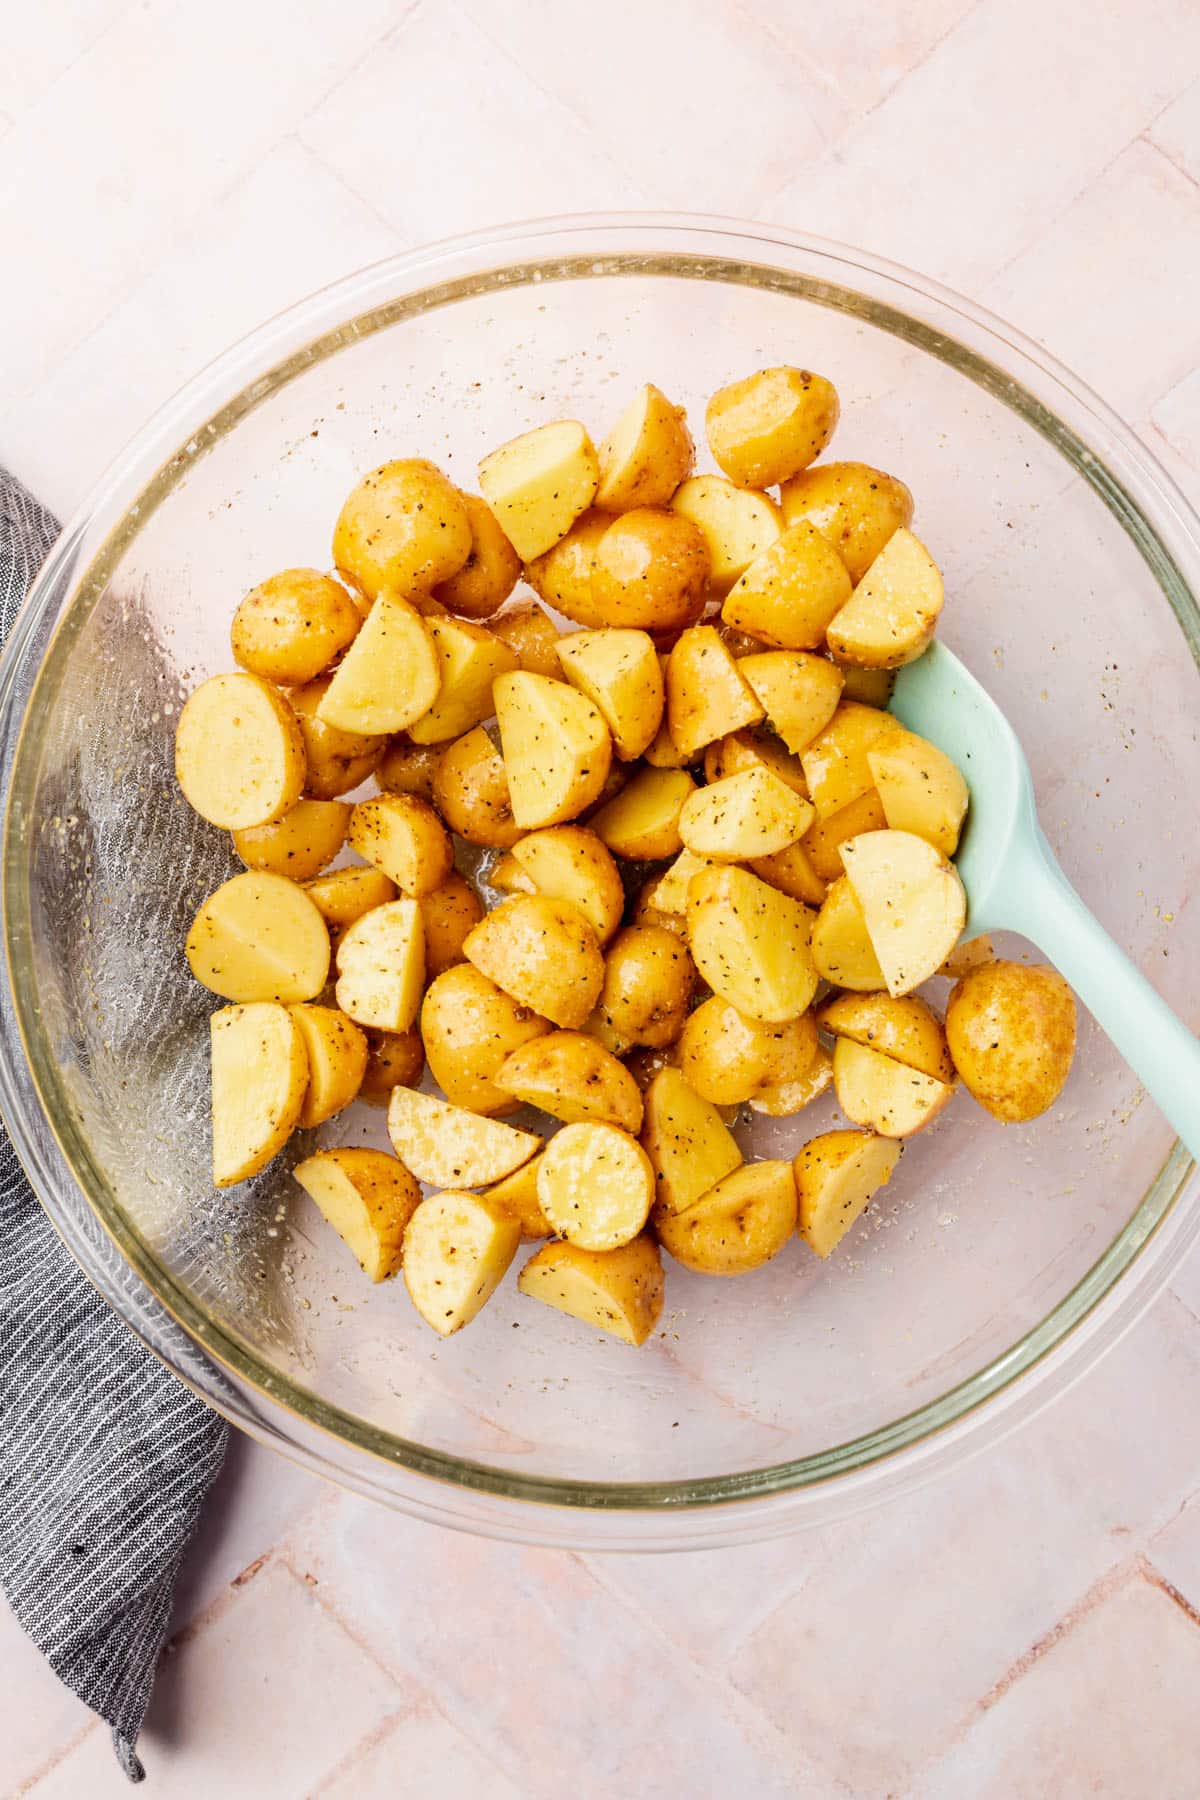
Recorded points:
646,455
738,1225
750,943
259,1079
403,527
619,1291
538,484
337,760
907,1029
708,695
664,752
1011,1032
799,692
842,951
770,425
837,1176
343,895
239,754
920,790
531,635
517,1194
835,763
457,1249
404,837
491,570
886,1096
642,822
337,1061
300,844
259,937
381,966
394,1059
571,1076
650,571
443,1144
783,1099
595,1186
469,659
893,612
470,1028
688,1143
449,914
790,592
912,900
569,862
824,839
793,871
557,748
648,982
669,893
748,814
726,1058
737,525
389,677
368,1197
470,790
856,507
544,953
618,671
292,626
562,577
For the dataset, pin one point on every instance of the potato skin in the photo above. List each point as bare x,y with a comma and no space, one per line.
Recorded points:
853,505
337,760
470,1027
562,576
770,425
726,1058
648,982
403,526
409,768
544,953
650,571
1011,1032
450,913
531,635
470,790
394,1059
488,576
291,626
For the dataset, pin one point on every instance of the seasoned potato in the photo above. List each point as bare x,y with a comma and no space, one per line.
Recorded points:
381,966
343,895
407,768
650,571
736,525
394,1059
259,1080
568,862
300,844
618,670
664,752
689,1146
835,763
856,507
292,626
823,840
440,1142
912,900
469,659
642,822
1011,1032
490,573
645,1064
707,693
389,677
557,748
368,1197
517,1194
544,953
648,982
790,592
738,1225
570,1075
646,455
893,612
870,687
337,1061
886,1096
908,1030
726,1058
337,760
470,1028
538,484
457,1249
619,1291
239,754
971,953
793,872
751,944
770,425
531,635
754,750
920,790
841,949
837,1176
748,814
595,1185
470,790
783,1099
799,692
259,937
404,837
403,527
562,575
646,913
508,877
669,893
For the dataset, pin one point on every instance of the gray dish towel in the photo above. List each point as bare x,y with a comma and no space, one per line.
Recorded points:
105,1458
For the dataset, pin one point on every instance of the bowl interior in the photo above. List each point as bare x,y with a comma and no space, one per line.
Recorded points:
983,1231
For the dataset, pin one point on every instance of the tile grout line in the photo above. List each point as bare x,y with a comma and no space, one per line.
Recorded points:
57,1756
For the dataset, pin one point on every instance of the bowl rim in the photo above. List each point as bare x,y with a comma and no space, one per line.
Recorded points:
1045,1361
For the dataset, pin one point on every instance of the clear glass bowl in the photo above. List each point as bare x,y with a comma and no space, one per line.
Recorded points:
998,1264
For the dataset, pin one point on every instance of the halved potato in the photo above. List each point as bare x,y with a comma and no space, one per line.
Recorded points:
619,1291
259,1079
856,507
737,525
404,837
538,484
292,626
571,1076
648,982
618,671
470,790
893,612
298,845
569,862
517,1194
343,895
449,914
912,900
798,691
650,571
490,572
368,1197
842,952
394,1059
837,1176
595,1185
531,635
793,872
767,427
646,455
470,1028
790,592
239,753
920,790
389,677
404,527
259,937
824,839
337,760
726,1058
907,1030
751,944
457,1249
381,966
1011,1031
642,822
442,1143
835,763
749,814
781,1100
557,748
886,1096
337,1061
469,659
687,1142
738,1225
707,694
754,750
544,953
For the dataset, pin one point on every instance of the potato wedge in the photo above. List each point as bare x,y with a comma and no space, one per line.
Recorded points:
650,571
726,1058
824,839
842,952
751,813
259,1080
404,837
557,748
259,937
443,1143
470,658
618,670
907,1030
686,1140
790,592
337,1061
300,844
856,507
239,753
404,526
751,944
884,1095
343,895
290,627
646,455
893,613
767,427
491,570
531,635
642,822
394,1059
381,966
569,862
707,695
669,893
457,1249
470,790
337,761
782,1100
648,981
544,953
449,914
835,763
837,1176
570,1075
754,750
517,1194
368,1197
738,1225
912,900
618,1291
920,790
538,484
1011,1031
793,872
389,677
595,1185
799,692
736,524
470,1028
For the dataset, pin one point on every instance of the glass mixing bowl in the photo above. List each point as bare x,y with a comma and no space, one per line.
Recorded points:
1000,1261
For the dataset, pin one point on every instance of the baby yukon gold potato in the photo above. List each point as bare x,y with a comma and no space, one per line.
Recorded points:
1011,1031
538,484
748,814
912,900
404,527
837,1176
870,687
389,677
648,982
595,1186
394,1059
893,612
544,953
292,626
835,763
449,914
789,594
770,425
619,1291
823,840
907,1030
562,576
259,1080
531,635
688,1143
793,872
442,1143
738,1225
470,790
490,573
754,750
750,943
650,571
707,693
508,877
568,862
783,1099
856,507
726,1058
337,760
404,837
470,1028
799,692
259,937
469,660
886,1096
517,1194
571,1076
646,455
381,966
664,752
343,895
971,953
368,1197
239,754
457,1248
920,790
669,893
298,845
557,748
736,525
842,952
642,822
337,1062
618,671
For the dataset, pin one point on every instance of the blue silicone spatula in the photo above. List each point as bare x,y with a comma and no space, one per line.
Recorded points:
1014,883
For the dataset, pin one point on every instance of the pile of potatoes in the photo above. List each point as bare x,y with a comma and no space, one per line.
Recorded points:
723,867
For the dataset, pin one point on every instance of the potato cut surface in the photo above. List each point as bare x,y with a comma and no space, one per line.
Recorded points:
389,677
259,1080
893,612
688,1144
368,1197
538,484
259,937
751,944
569,862
469,659
837,1176
887,1096
557,748
908,1029
517,1194
708,694
457,1248
642,821
595,1185
741,816
445,1144
239,753
403,836
736,524
337,1061
381,966
799,692
912,900
646,455
619,672
790,592
920,790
